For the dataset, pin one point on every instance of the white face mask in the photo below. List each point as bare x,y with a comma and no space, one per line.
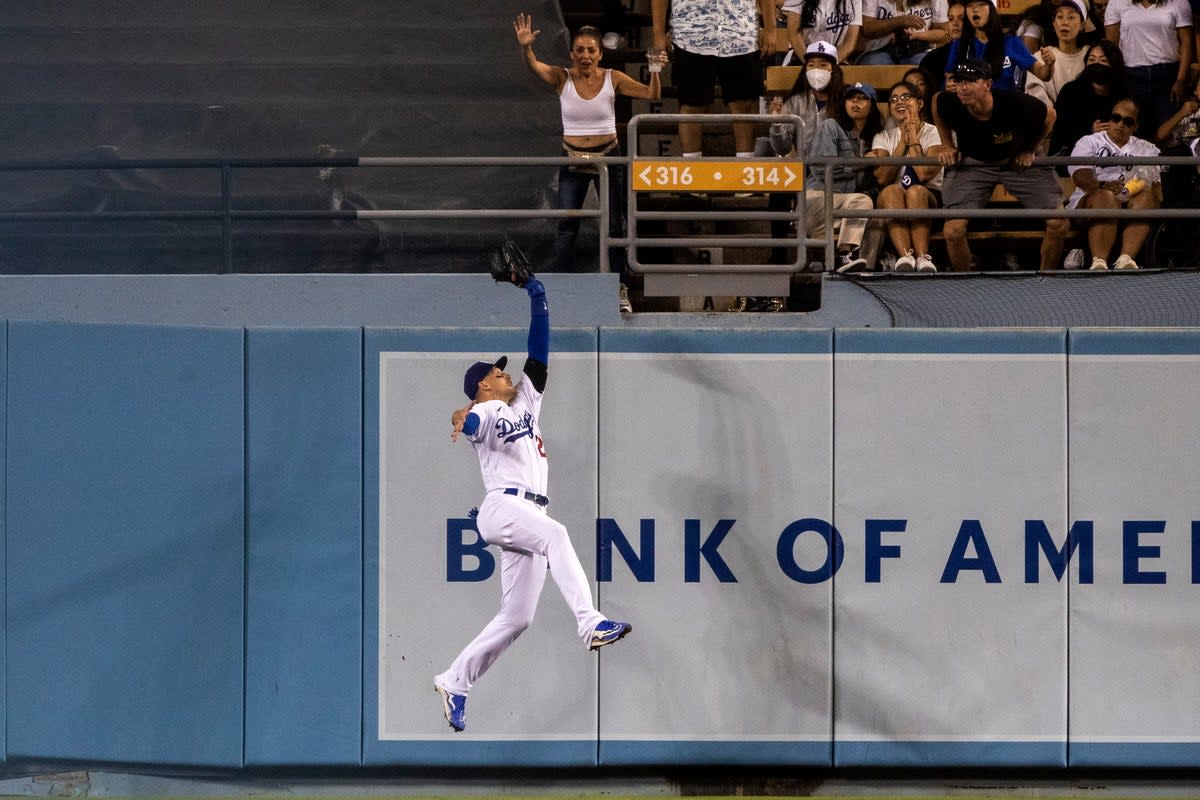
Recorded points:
818,79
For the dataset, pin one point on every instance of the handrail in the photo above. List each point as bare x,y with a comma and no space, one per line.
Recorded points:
226,213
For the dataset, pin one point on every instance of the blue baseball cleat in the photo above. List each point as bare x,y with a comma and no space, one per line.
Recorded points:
608,632
454,706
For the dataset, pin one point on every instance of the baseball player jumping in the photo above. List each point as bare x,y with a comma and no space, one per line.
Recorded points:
501,422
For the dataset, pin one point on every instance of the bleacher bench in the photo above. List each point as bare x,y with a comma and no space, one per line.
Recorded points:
880,76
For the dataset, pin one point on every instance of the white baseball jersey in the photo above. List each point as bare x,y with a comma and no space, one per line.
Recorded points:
930,11
1099,145
832,23
509,442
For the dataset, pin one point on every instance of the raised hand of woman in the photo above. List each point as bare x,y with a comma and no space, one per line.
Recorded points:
523,27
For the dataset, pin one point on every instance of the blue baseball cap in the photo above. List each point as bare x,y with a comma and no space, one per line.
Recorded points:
477,372
864,88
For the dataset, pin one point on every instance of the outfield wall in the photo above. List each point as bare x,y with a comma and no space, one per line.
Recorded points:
249,546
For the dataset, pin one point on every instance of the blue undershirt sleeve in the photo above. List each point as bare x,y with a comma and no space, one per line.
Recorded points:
539,322
471,424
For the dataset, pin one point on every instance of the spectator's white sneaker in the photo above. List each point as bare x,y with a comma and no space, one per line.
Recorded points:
1074,259
906,262
925,263
1124,262
623,304
1098,263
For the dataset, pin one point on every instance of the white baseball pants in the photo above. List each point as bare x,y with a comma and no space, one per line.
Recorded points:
529,540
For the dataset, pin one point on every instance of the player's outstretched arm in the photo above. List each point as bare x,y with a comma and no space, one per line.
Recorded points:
463,421
539,335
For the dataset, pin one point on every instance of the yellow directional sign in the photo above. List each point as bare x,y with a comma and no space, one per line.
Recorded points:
693,175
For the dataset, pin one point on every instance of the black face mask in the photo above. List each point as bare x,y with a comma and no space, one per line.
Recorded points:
1098,73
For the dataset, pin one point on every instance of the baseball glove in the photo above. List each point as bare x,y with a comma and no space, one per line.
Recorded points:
508,264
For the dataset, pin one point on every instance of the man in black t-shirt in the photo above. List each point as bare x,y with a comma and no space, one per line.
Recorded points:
988,138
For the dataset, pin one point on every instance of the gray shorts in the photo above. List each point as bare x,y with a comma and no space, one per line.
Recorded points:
970,185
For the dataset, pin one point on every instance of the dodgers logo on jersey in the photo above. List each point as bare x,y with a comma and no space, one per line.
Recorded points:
512,431
837,21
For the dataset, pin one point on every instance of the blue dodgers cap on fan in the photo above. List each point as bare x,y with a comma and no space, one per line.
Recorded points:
477,372
864,88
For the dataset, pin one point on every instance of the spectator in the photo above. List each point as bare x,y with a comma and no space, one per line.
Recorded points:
812,98
934,63
587,94
1155,36
919,79
1113,187
1177,137
989,137
908,187
1178,132
1094,28
984,39
837,22
1068,20
1033,29
825,140
860,118
1083,104
901,31
716,40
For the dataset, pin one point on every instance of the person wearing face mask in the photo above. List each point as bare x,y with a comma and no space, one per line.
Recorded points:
819,83
1083,104
815,99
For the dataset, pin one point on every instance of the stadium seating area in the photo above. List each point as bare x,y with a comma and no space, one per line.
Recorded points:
89,85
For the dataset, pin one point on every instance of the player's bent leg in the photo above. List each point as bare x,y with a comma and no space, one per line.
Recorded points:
522,576
521,525
568,574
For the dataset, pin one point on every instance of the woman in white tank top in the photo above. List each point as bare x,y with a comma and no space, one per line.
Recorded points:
587,94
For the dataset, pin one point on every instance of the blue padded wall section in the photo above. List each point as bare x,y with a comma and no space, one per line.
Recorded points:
125,544
304,547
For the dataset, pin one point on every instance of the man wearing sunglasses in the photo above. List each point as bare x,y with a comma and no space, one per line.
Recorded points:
1113,187
989,137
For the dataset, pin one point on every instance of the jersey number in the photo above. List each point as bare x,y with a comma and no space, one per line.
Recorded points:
540,447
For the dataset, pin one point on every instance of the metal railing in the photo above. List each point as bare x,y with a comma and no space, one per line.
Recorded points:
227,214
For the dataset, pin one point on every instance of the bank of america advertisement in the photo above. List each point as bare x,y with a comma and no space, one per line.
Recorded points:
893,547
